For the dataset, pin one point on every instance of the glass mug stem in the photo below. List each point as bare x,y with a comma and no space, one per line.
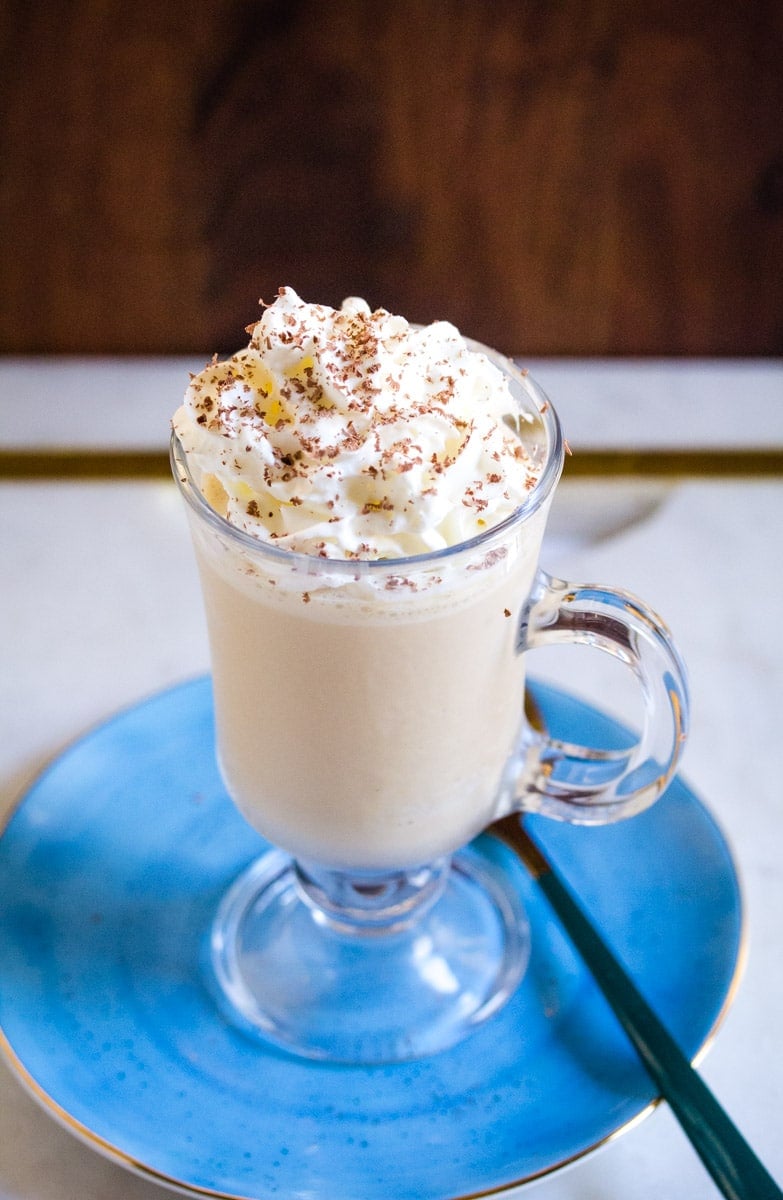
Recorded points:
370,968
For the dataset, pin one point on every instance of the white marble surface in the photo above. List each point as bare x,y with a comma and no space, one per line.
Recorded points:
602,403
100,606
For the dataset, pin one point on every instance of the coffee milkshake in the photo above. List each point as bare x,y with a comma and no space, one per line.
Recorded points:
362,578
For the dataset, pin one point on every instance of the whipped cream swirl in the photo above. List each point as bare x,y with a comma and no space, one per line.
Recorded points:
351,434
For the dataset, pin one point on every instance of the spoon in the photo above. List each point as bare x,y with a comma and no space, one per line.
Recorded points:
729,1159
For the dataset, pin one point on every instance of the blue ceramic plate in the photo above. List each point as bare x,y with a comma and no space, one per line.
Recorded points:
110,869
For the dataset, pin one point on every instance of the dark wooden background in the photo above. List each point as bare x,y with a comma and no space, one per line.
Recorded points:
556,176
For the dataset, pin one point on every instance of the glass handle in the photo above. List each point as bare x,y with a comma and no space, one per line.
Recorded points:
593,786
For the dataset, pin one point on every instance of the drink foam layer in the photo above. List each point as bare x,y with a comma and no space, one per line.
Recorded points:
351,434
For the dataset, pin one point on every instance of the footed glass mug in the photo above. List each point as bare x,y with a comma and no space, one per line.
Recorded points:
370,723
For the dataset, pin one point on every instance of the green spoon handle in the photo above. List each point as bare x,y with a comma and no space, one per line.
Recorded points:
729,1159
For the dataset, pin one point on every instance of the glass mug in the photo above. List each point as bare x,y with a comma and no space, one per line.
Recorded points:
370,723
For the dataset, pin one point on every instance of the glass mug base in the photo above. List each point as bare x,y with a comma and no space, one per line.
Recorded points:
408,970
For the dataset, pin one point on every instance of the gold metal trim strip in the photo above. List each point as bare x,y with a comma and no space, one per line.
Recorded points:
676,463
86,464
21,466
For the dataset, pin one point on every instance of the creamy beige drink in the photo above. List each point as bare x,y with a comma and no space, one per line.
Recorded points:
367,707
